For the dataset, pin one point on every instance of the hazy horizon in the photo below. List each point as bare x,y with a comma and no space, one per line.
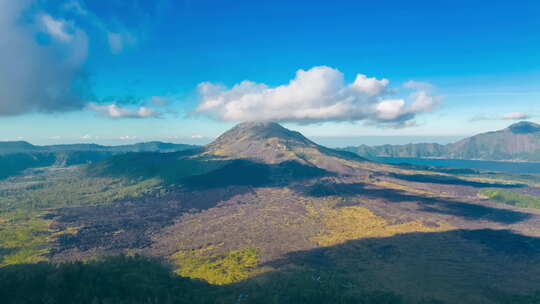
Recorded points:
329,141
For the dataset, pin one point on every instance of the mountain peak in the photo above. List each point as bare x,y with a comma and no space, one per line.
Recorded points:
259,132
266,127
271,143
524,127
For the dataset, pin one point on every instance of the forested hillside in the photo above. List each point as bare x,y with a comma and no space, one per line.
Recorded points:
18,156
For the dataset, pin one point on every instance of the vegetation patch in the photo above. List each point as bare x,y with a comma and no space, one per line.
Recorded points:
230,267
26,208
353,222
511,198
74,191
24,238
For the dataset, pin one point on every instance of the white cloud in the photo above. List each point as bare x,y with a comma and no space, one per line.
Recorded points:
56,28
41,60
515,116
144,112
370,86
44,47
114,111
423,101
87,136
196,136
128,137
390,109
316,95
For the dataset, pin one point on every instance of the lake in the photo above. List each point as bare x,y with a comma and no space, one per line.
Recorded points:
508,167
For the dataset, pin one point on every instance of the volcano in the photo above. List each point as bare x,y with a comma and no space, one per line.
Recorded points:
263,201
271,143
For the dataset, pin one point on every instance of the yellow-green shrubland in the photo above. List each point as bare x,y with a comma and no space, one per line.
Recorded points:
75,192
512,198
354,222
219,269
24,238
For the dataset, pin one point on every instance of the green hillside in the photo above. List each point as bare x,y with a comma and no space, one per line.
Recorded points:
18,156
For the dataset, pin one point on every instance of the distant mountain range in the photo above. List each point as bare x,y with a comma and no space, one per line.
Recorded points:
16,156
8,147
518,142
270,143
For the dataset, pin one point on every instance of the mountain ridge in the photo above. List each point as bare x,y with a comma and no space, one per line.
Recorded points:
7,147
16,156
518,142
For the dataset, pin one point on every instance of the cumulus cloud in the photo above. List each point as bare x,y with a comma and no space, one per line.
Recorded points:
317,95
44,47
129,106
114,111
41,60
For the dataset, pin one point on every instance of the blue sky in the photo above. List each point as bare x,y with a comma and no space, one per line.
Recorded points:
123,71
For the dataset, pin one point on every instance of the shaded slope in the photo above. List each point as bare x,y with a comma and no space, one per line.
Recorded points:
324,275
12,164
16,147
270,143
249,154
137,280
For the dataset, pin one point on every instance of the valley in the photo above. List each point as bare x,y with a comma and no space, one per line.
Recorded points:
263,206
